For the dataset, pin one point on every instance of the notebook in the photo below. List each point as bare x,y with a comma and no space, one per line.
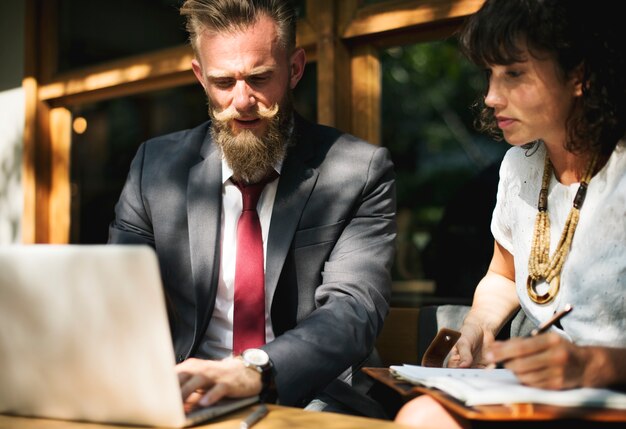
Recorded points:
84,336
474,386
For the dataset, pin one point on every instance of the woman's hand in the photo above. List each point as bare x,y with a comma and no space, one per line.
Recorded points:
495,300
548,361
468,351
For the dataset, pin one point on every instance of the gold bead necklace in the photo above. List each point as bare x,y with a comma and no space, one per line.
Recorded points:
540,265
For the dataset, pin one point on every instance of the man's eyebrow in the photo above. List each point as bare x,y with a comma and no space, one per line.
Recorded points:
261,70
217,74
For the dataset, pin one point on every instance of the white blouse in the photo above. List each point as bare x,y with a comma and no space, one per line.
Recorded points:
593,278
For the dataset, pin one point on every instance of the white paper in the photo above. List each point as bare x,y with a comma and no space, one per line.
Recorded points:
500,386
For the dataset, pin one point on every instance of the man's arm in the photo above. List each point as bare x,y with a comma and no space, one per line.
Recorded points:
353,298
132,224
350,306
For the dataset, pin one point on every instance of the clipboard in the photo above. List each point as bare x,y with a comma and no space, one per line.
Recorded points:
508,412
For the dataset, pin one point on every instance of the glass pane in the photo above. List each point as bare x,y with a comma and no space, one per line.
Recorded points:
96,31
446,171
300,6
101,155
305,94
369,2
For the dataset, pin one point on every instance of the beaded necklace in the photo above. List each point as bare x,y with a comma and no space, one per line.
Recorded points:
540,265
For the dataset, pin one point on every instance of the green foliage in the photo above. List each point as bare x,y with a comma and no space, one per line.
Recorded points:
428,91
427,123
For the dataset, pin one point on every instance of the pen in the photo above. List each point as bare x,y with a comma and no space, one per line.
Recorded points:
550,322
545,326
254,417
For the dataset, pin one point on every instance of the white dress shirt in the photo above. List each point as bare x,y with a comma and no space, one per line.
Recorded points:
219,336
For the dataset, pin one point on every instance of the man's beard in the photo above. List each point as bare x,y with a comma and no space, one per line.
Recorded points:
251,157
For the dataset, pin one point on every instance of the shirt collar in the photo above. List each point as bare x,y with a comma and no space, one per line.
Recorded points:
227,172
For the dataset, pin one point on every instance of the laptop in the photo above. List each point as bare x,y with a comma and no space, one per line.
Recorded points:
84,336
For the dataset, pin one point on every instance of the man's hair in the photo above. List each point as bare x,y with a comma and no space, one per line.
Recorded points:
229,15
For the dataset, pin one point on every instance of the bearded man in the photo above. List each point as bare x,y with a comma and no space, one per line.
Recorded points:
287,303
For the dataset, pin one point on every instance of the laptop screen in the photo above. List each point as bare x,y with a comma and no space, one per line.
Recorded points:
84,335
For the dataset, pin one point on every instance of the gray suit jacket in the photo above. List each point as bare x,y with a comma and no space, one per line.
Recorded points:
329,250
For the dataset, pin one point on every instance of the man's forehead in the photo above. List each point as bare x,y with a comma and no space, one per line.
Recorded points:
216,73
263,27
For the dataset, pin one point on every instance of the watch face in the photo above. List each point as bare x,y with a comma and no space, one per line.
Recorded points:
256,357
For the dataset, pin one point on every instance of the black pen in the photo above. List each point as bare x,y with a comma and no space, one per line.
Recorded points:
545,326
254,417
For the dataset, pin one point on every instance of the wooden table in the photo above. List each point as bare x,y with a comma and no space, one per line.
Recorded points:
279,417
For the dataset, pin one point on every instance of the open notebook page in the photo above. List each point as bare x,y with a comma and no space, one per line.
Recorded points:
500,386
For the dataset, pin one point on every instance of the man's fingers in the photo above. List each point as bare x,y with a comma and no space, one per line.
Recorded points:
195,383
214,394
192,400
183,377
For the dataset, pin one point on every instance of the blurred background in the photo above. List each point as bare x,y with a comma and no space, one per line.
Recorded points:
83,83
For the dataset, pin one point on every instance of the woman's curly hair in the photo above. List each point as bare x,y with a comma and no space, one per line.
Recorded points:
581,36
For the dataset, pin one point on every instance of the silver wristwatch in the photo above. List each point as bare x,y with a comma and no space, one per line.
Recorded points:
256,359
259,360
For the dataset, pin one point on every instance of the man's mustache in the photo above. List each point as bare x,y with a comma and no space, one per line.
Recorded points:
231,113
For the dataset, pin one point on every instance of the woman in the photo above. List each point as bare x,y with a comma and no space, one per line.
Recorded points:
557,94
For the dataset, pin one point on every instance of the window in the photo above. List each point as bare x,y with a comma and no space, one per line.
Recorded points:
107,135
122,68
101,155
446,172
96,31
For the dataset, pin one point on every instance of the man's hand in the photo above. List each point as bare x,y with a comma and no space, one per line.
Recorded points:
204,382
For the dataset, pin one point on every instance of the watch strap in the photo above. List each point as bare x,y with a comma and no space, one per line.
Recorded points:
268,394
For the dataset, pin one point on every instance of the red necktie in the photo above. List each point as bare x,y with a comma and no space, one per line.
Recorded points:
249,305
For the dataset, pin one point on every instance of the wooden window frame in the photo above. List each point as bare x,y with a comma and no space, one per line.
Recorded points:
340,35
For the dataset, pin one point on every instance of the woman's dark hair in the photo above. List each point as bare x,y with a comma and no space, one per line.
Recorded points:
577,34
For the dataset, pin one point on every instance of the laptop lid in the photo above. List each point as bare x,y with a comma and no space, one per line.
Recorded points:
84,336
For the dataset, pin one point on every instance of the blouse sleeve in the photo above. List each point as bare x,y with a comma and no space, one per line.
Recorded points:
500,221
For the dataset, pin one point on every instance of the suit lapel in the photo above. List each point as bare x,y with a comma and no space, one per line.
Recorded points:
296,183
204,208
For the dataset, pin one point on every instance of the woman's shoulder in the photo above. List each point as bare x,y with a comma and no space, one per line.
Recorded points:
615,169
619,153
